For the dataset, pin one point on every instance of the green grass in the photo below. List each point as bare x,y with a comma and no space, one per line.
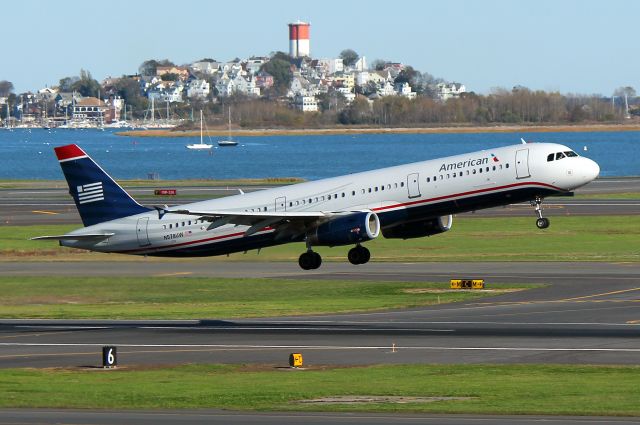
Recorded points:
197,298
570,238
495,389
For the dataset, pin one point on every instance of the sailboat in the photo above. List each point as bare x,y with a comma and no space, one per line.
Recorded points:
229,141
201,145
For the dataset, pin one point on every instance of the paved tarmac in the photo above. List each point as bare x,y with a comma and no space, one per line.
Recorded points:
97,417
54,206
588,313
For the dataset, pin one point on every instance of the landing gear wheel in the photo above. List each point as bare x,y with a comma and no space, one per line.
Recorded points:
542,223
359,255
310,260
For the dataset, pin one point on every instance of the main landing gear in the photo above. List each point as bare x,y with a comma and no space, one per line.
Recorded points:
541,222
359,255
311,260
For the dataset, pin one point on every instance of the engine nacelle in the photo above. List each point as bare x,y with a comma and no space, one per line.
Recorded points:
419,229
346,230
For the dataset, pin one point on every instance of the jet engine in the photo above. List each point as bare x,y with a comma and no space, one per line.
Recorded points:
346,230
419,229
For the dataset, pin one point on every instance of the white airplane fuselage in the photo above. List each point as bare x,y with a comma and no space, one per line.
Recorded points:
402,198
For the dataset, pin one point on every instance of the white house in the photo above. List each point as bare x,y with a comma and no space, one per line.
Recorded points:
386,90
330,66
404,89
305,103
198,89
447,91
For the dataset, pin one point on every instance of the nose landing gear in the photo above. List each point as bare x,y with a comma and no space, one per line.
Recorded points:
359,255
541,222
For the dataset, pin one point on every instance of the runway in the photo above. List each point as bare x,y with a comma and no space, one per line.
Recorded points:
588,313
585,313
54,206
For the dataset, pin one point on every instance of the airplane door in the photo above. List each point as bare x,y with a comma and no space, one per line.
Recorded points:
281,204
522,164
141,231
413,185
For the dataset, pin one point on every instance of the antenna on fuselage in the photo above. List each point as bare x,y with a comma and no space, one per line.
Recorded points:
523,141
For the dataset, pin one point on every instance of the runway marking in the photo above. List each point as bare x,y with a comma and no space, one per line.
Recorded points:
44,212
35,334
602,294
321,347
172,274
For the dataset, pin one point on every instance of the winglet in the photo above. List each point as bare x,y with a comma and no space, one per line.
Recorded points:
523,141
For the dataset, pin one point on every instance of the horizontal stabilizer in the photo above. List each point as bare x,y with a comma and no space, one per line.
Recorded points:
82,237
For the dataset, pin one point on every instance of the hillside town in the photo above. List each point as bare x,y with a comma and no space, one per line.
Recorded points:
347,89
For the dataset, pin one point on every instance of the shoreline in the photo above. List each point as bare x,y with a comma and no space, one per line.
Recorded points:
379,130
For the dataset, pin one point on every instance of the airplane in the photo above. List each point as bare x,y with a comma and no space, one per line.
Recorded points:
405,201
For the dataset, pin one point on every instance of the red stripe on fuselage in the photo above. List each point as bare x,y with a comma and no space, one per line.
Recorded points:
439,198
68,152
471,192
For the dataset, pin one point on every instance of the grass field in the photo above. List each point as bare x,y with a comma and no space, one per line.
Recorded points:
570,238
492,389
198,298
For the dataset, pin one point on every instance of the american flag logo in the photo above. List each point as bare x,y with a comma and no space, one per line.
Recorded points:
91,192
495,158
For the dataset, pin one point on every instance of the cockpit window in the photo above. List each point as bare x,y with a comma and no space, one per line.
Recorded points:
559,155
570,154
550,157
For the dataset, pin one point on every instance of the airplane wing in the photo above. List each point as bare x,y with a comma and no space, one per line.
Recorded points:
85,236
259,220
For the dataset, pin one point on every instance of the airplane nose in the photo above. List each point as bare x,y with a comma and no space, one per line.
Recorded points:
592,169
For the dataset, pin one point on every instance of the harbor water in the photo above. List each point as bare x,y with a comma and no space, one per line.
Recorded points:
28,153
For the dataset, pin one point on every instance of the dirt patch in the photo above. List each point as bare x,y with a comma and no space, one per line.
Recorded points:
358,399
444,291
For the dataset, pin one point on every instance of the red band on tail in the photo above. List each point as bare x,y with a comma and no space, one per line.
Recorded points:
68,152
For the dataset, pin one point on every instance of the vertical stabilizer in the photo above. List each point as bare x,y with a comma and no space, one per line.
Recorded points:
97,196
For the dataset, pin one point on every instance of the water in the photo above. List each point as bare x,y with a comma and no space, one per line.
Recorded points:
28,154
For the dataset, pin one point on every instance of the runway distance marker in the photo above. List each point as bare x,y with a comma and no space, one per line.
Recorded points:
44,212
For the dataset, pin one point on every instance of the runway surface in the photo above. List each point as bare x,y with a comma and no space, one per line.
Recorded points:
83,417
54,206
588,313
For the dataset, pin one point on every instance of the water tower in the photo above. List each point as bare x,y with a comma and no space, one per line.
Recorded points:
299,39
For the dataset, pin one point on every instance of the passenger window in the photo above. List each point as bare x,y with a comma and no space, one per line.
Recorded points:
290,204
389,186
382,187
501,166
353,193
164,226
550,157
343,194
474,171
480,170
494,168
376,188
448,175
335,196
428,179
506,165
396,185
467,172
487,169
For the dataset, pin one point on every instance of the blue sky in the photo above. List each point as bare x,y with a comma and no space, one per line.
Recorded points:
567,45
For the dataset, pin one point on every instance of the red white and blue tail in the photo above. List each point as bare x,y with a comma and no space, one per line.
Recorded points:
97,196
